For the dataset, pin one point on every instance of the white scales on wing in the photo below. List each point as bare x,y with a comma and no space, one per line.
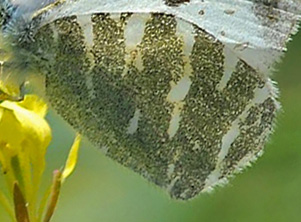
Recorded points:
256,35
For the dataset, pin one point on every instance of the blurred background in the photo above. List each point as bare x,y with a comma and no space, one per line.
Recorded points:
100,190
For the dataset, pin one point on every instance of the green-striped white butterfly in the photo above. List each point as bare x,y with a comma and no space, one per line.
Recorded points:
177,90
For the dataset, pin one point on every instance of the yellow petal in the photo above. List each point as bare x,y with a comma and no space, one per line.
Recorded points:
25,123
8,90
1,113
72,158
34,104
28,135
11,131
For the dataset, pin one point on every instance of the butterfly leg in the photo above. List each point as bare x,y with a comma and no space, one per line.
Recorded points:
16,98
6,96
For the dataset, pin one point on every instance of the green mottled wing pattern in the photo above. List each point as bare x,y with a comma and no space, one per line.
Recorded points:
157,94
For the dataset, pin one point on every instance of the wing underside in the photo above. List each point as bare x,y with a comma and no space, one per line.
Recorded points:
158,94
248,27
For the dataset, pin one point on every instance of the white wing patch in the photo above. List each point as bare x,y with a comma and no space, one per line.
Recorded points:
176,95
86,25
180,89
260,95
244,25
229,67
133,34
175,120
133,125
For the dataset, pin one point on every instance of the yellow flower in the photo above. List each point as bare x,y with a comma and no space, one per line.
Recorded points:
24,138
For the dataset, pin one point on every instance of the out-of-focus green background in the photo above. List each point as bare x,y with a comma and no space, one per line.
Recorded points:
100,190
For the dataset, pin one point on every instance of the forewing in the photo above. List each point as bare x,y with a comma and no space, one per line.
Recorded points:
256,30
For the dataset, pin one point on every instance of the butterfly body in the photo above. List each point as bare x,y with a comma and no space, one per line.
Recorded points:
180,104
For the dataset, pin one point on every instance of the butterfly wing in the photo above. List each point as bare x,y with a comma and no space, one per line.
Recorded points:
249,27
184,106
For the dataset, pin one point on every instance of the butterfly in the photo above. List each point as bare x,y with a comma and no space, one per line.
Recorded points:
179,91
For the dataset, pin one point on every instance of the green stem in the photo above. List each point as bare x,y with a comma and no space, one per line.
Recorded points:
21,210
54,195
